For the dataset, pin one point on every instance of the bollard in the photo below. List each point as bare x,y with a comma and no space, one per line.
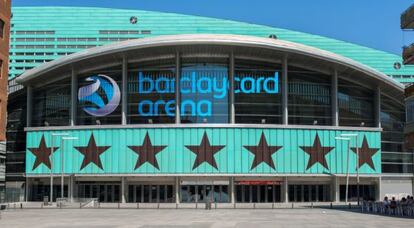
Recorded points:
254,205
137,205
119,206
234,205
273,205
21,206
158,206
80,205
311,205
349,205
176,205
292,205
331,205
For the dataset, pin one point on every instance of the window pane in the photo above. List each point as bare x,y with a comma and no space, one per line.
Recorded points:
356,105
257,97
309,97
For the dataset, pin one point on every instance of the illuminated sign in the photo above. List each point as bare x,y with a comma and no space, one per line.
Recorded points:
101,103
199,93
196,86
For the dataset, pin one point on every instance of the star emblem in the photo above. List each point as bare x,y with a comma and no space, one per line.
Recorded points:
205,152
147,152
42,153
317,153
365,154
263,152
91,153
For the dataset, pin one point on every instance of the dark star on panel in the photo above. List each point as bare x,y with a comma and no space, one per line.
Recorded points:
366,153
263,152
92,153
317,153
205,152
42,154
147,152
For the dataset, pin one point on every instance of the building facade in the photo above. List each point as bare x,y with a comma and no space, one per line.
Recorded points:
5,12
174,108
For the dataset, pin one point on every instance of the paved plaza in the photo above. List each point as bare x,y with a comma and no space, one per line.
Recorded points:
195,218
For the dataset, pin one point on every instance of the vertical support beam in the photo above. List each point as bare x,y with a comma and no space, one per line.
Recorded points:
335,189
29,106
334,97
177,190
73,97
379,192
285,196
232,191
232,119
123,190
285,90
124,89
71,188
378,107
177,88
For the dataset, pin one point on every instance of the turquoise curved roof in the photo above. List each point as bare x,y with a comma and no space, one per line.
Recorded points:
62,30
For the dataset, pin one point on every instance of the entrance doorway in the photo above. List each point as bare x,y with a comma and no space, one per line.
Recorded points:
204,193
105,192
258,193
146,193
309,193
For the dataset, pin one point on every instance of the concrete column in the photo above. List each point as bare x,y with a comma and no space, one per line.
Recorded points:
124,89
231,90
335,189
334,97
71,187
377,111
177,88
285,190
73,97
177,190
379,191
27,195
285,90
123,190
29,106
232,191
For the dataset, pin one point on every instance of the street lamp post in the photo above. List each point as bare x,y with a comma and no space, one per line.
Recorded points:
347,166
61,158
357,159
51,163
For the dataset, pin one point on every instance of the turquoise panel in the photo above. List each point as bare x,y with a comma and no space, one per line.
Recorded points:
233,158
71,25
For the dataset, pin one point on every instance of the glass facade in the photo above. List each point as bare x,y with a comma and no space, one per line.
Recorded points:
395,157
309,97
356,105
257,106
51,104
96,92
410,110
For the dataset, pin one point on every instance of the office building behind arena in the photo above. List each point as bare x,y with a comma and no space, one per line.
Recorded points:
175,108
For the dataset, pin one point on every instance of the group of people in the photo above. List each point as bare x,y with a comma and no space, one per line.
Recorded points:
405,202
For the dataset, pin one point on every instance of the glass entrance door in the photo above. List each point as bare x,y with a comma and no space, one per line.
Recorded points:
150,193
204,193
103,192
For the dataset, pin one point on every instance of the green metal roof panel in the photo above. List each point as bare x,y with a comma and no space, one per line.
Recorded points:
86,22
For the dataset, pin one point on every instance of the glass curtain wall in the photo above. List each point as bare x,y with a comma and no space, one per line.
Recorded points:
356,105
151,92
98,93
51,104
204,90
258,97
309,97
395,158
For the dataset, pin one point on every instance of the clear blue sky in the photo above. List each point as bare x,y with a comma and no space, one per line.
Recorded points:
372,23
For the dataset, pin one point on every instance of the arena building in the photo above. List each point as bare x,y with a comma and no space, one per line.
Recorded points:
138,106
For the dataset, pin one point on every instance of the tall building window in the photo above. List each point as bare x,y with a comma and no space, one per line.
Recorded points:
51,104
356,105
258,97
395,158
2,25
309,97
